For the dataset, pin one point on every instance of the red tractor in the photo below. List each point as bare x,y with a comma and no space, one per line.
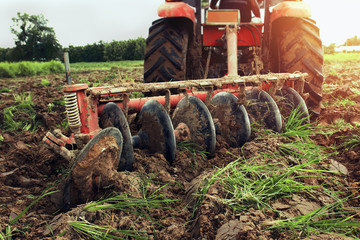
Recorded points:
201,80
181,46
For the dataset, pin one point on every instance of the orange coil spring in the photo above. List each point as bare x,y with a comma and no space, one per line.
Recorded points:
72,109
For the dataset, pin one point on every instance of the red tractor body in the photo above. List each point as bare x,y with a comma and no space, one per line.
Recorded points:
210,29
211,35
190,44
177,9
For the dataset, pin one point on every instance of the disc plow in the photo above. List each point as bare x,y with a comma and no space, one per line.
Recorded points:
194,111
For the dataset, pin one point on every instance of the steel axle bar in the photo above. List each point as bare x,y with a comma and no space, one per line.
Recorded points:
201,84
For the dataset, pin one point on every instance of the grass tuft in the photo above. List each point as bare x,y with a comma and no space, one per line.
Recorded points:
124,202
194,149
45,82
21,116
7,233
100,232
351,142
254,186
332,218
279,173
141,207
297,126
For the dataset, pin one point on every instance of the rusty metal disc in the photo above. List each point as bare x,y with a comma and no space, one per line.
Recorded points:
262,109
234,123
93,168
156,132
194,113
113,116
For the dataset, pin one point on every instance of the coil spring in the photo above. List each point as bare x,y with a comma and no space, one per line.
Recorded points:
72,110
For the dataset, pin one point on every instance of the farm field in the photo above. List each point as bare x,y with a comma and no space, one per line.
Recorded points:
302,183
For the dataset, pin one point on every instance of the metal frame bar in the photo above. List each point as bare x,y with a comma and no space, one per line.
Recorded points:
217,83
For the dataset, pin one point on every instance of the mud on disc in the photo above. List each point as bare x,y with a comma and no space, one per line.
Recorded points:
288,101
262,109
93,168
194,113
113,116
234,123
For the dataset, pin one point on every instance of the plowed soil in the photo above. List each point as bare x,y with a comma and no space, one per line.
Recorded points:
28,169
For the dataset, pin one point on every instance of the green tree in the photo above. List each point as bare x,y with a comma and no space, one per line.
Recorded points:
129,51
329,49
139,50
354,41
94,52
35,40
132,49
114,51
4,54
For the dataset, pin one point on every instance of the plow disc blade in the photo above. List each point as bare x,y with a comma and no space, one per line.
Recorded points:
112,116
289,100
234,123
94,168
262,108
194,113
156,132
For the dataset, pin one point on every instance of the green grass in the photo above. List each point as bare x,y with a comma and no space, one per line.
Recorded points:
101,232
333,218
87,66
341,101
21,116
339,125
250,184
28,69
137,95
7,232
150,200
45,82
341,57
5,90
345,102
351,142
298,126
259,181
124,202
333,73
193,149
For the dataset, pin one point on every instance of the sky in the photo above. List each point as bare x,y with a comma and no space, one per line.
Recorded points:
81,22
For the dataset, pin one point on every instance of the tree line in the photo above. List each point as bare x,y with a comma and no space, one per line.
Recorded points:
35,41
132,49
354,41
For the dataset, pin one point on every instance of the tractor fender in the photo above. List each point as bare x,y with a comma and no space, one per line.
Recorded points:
290,9
177,9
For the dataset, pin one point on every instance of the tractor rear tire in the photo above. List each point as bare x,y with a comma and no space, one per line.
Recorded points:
166,51
299,48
